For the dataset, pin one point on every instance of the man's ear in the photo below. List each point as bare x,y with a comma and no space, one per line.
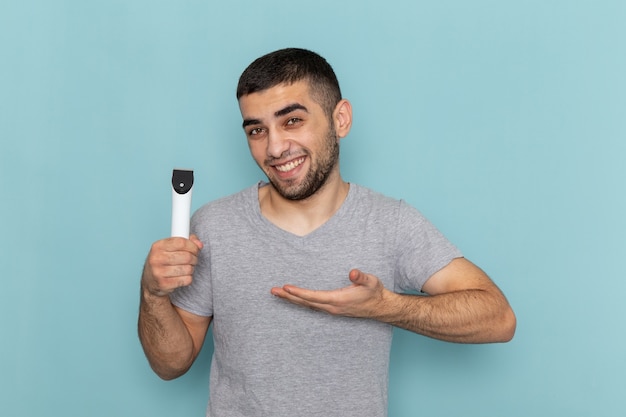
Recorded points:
342,117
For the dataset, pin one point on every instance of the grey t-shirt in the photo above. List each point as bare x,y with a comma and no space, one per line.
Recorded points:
276,359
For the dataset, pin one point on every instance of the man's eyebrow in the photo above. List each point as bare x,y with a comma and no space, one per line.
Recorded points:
282,112
289,109
248,122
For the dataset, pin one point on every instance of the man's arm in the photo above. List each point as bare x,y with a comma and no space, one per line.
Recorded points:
463,305
171,337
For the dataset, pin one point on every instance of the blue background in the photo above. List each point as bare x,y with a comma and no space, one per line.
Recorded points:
503,122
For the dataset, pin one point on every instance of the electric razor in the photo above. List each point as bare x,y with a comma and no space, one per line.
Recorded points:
182,187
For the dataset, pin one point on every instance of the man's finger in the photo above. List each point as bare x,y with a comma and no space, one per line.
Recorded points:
358,277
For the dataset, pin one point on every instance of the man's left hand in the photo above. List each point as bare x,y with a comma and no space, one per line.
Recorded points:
360,299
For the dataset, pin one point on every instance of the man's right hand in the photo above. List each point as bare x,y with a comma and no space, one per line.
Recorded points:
170,264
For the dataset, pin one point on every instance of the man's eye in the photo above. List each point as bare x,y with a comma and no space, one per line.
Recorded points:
255,131
293,121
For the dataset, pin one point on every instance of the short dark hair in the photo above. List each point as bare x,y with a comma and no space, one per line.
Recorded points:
290,65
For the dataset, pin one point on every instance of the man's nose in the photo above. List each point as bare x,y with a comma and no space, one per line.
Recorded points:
277,144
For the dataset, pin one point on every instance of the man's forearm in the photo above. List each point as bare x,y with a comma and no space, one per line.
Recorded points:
467,316
164,337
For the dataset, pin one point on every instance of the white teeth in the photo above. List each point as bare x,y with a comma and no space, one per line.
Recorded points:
290,165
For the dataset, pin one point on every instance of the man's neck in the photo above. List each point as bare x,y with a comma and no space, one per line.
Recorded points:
301,217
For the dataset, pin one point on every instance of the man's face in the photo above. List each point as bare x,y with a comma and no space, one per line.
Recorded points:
291,139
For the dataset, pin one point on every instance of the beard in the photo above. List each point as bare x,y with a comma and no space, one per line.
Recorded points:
317,175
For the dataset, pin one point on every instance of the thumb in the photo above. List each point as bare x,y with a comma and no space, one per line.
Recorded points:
197,241
359,278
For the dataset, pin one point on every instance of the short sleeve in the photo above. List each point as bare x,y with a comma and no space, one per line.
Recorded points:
421,249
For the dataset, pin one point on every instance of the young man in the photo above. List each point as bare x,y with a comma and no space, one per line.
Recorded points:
304,276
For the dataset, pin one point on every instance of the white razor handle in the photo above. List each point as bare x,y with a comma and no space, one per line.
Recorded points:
182,186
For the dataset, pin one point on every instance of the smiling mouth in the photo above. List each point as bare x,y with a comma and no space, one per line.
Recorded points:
290,165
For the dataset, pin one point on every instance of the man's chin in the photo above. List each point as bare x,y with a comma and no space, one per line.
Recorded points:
292,192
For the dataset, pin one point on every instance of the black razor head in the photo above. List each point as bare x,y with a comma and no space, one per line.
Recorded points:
182,180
